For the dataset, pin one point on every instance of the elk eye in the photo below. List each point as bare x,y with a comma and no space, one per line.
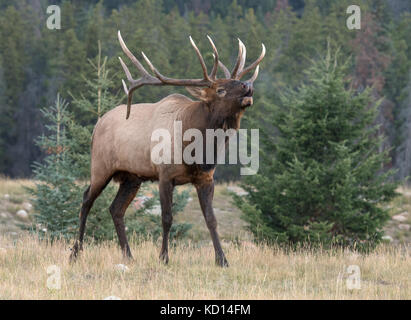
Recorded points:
221,92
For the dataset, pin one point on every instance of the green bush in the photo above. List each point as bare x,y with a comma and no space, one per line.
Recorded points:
322,178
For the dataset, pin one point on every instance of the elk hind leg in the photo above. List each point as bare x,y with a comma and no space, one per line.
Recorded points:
126,193
166,199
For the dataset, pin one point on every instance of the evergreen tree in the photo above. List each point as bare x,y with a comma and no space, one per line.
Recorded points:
306,37
56,195
3,107
13,50
95,100
38,62
323,183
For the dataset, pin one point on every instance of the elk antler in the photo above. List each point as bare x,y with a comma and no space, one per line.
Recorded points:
159,79
238,71
255,64
213,73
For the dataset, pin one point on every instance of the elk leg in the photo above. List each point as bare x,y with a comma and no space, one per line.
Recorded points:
126,193
166,200
205,194
89,196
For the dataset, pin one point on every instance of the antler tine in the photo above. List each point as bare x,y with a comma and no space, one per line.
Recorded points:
135,84
255,75
237,64
153,68
159,79
131,56
243,57
124,86
254,64
215,55
200,57
126,71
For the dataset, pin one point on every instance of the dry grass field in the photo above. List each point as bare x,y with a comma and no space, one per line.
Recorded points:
255,272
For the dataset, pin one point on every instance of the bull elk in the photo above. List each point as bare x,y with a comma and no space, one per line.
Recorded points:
121,145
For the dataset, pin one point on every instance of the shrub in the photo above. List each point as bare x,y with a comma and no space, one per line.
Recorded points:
321,179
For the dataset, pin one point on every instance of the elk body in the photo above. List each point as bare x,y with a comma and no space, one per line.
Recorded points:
121,145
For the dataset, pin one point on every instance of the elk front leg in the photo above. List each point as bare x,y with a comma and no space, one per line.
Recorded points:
166,200
205,194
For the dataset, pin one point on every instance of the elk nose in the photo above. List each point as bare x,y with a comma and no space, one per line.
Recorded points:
248,86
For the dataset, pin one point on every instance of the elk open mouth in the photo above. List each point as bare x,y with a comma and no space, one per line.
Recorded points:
247,100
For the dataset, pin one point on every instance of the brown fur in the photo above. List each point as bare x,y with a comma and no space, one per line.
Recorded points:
121,150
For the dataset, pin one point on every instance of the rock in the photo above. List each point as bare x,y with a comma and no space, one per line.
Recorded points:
399,217
111,298
387,238
22,214
404,226
6,196
121,267
27,206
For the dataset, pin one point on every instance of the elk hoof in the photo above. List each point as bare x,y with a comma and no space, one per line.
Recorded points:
74,252
221,261
127,254
164,257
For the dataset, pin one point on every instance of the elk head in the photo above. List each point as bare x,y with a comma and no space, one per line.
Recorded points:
224,96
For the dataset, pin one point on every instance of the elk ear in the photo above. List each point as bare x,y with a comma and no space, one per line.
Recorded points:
199,93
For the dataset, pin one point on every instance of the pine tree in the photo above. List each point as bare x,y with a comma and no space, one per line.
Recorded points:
324,182
3,121
14,41
95,100
306,36
56,195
